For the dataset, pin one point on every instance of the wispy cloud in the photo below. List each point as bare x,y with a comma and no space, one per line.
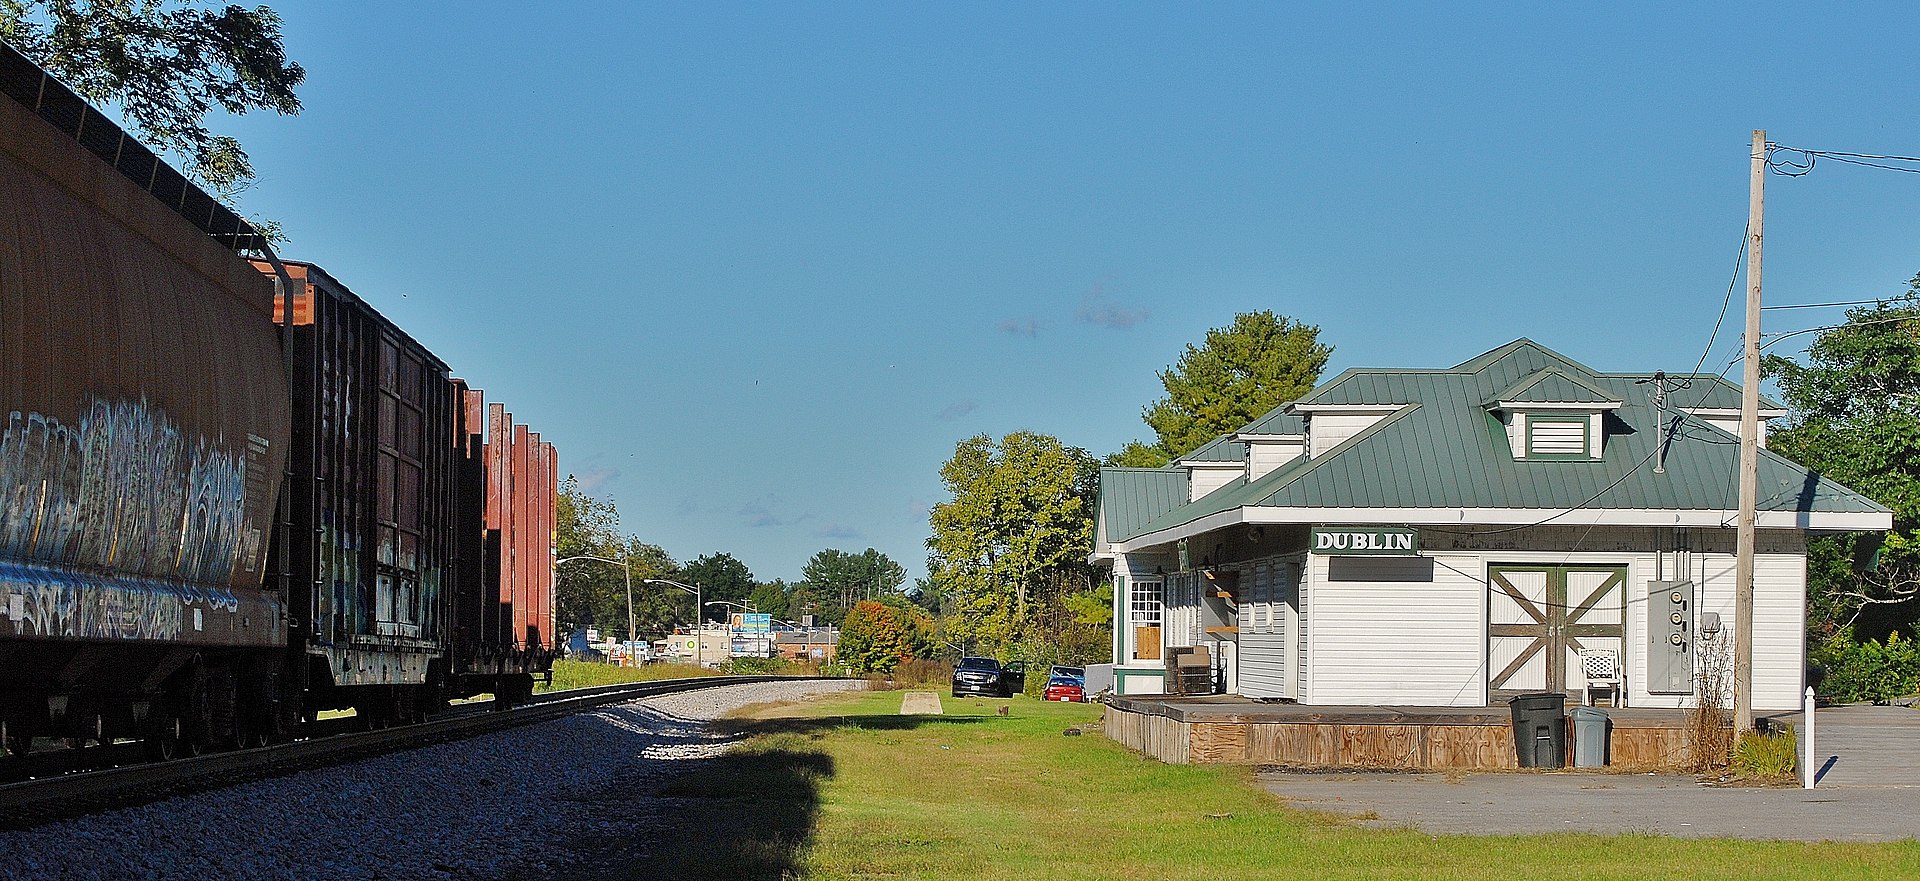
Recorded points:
1096,308
957,409
592,479
836,531
765,513
1025,327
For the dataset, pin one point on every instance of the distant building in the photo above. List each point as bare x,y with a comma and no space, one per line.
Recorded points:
807,644
1453,537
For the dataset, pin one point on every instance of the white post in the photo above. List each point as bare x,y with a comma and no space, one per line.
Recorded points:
1810,767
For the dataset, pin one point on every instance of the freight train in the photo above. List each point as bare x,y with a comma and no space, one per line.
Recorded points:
233,495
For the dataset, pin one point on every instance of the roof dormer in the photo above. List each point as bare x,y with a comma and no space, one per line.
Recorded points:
1553,416
1219,462
1273,440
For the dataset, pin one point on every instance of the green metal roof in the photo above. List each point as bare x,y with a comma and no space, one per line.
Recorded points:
1221,449
1550,386
1277,421
1130,497
1443,449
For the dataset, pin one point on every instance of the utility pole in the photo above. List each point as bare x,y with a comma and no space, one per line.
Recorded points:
1749,451
624,566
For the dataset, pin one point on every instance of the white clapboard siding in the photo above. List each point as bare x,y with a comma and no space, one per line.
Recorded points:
1203,479
1268,591
1779,623
1326,430
1399,642
1264,456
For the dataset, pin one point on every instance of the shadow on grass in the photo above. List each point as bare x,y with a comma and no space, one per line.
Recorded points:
814,727
747,813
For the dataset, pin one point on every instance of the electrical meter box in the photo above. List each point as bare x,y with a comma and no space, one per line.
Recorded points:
1670,637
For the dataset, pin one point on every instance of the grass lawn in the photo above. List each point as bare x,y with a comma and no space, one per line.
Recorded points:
846,788
583,674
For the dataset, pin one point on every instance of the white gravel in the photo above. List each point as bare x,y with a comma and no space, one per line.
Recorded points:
477,808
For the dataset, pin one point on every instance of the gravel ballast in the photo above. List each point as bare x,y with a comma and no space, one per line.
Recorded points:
479,808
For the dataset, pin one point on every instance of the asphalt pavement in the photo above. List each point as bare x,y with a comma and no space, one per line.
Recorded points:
1869,791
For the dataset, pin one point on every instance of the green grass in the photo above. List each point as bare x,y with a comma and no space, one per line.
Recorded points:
846,788
584,674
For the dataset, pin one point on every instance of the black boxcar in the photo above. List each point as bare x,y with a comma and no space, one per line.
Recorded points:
373,490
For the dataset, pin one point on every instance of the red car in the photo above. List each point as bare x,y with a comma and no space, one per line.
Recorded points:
1063,685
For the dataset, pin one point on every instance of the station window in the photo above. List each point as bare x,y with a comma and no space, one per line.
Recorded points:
1143,604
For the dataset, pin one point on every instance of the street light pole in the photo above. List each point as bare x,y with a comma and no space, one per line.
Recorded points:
699,638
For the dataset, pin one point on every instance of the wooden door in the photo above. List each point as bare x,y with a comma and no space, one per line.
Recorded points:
1539,619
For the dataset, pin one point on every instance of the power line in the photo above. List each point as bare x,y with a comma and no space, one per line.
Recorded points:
1810,158
1781,336
1824,305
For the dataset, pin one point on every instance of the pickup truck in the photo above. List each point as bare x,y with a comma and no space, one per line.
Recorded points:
987,677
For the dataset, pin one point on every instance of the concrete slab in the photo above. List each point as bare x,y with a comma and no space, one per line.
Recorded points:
1606,804
1864,745
921,703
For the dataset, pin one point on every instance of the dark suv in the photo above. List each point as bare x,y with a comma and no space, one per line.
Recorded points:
987,677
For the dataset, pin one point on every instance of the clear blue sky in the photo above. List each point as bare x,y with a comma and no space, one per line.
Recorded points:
756,269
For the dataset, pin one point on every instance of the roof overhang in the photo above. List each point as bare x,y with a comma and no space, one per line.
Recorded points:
1346,408
1824,521
1270,438
1731,413
1228,465
1586,406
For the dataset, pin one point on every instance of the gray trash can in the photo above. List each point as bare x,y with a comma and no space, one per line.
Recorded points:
1540,729
1590,737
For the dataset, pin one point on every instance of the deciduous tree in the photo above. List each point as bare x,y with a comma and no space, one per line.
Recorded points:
720,577
166,65
878,635
594,594
1855,417
1020,522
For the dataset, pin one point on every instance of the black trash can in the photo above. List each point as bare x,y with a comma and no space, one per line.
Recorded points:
1540,729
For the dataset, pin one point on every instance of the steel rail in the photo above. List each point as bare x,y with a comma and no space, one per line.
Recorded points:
34,802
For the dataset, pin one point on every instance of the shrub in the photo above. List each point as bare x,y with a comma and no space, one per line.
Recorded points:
1766,756
1868,671
879,636
923,674
766,667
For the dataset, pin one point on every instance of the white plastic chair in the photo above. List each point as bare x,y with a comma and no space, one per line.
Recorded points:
1602,668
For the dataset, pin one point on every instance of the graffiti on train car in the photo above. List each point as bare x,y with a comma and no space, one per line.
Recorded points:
47,602
124,490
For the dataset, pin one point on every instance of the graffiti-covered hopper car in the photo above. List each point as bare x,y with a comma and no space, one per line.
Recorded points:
206,534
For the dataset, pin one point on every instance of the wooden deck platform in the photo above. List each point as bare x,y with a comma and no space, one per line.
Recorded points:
1226,729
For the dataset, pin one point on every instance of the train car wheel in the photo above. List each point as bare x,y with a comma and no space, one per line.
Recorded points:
164,742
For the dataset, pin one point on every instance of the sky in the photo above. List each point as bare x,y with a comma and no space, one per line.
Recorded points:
756,269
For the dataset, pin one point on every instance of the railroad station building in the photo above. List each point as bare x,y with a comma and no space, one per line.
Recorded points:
1449,538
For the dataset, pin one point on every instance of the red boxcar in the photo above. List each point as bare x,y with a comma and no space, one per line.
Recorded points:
505,615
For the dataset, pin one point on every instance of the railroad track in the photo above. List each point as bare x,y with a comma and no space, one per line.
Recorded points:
33,802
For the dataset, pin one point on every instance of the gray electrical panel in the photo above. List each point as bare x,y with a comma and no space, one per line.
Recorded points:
1670,637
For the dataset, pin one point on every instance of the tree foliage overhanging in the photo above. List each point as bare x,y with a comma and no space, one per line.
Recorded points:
166,65
1855,405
